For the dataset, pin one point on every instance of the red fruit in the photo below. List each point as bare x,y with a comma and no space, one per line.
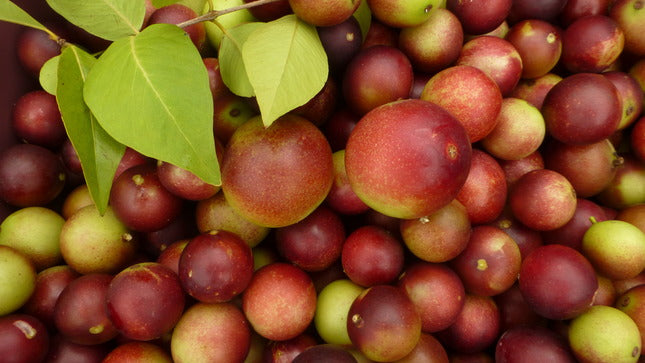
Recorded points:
407,159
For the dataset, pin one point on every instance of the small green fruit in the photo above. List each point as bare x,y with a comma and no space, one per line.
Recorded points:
35,232
333,304
17,279
615,248
604,334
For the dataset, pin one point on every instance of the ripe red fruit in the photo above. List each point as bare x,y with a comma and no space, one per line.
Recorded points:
408,158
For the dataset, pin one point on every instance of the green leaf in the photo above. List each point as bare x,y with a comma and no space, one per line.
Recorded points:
108,19
98,152
232,70
12,13
151,93
48,76
286,65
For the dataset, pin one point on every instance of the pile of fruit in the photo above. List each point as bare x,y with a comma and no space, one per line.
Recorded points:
324,181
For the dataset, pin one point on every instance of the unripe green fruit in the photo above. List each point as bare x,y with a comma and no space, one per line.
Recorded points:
333,305
35,232
17,279
615,248
604,334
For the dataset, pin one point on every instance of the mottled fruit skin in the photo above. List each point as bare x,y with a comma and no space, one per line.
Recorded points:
557,282
408,158
470,95
582,108
278,175
280,301
211,333
630,17
542,199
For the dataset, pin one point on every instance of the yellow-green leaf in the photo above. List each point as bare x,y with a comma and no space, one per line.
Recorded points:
286,65
230,53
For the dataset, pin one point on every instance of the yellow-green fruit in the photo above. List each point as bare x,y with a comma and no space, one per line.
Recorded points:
35,232
615,248
333,304
213,33
17,279
604,334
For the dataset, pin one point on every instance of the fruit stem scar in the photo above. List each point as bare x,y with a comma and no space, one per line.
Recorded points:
357,320
451,149
137,179
25,328
482,265
97,329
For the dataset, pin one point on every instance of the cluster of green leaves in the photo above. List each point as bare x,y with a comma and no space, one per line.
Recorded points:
149,89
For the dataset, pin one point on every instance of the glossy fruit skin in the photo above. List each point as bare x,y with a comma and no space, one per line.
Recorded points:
539,43
557,282
393,168
177,13
479,17
436,291
582,108
35,47
141,202
375,76
314,243
592,44
30,175
293,161
490,263
324,13
80,312
372,256
542,199
137,315
215,266
37,120
24,339
528,344
383,323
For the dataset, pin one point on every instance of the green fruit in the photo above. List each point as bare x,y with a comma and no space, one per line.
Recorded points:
332,307
604,334
615,248
17,279
213,33
35,232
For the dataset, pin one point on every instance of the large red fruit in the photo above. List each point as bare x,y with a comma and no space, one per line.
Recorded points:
276,176
408,158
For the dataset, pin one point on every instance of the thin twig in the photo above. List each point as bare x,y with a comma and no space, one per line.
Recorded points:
211,15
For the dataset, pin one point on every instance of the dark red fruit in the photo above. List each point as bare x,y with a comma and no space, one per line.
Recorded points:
141,202
372,256
558,282
80,313
314,243
215,266
30,175
24,339
37,120
34,48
